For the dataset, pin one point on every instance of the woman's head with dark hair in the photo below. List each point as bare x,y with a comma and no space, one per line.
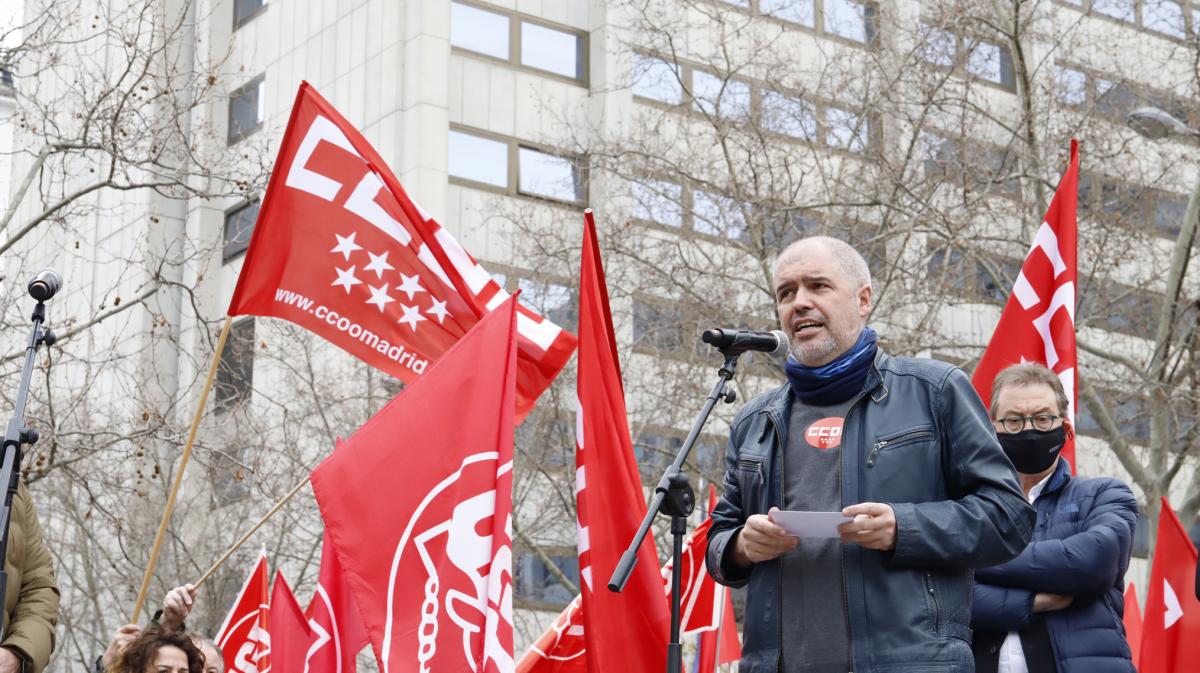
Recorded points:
157,650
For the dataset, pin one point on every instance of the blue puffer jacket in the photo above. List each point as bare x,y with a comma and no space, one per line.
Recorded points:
917,438
1080,548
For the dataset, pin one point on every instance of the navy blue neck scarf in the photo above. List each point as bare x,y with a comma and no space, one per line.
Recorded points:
837,381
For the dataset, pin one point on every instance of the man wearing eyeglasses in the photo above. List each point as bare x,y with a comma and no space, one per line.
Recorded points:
1056,607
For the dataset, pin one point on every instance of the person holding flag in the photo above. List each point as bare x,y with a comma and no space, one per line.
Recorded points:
1057,606
903,446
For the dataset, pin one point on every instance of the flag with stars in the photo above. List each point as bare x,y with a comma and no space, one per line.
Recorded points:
341,250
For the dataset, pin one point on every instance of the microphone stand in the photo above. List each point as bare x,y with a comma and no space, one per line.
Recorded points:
674,497
14,436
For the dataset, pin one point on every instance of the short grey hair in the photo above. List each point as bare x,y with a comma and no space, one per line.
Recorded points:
849,259
1029,374
201,640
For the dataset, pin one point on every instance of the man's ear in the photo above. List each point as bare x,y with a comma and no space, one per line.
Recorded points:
1070,429
864,301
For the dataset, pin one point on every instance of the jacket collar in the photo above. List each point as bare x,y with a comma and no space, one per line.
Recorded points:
1060,477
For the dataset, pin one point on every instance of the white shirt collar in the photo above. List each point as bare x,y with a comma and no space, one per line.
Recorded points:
1036,491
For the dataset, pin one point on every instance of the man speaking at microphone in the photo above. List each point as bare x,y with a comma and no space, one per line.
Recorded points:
902,445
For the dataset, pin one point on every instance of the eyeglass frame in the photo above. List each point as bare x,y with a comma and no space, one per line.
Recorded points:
1027,420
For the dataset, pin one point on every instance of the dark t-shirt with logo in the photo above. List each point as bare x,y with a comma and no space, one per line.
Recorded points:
816,635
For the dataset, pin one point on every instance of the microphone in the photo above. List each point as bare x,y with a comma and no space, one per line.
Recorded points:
43,286
738,341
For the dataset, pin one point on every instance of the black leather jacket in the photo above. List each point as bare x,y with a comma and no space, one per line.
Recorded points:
918,439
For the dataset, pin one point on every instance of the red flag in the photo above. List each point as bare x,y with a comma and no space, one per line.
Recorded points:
244,637
1171,622
718,645
341,250
288,628
562,648
1038,322
337,630
1133,622
418,507
625,631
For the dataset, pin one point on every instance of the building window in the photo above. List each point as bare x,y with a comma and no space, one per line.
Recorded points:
655,79
986,168
514,167
246,110
235,372
479,30
551,50
244,10
992,62
1119,203
788,116
536,584
554,301
478,159
979,58
239,226
1070,86
1165,17
658,201
719,97
1114,99
551,298
719,216
549,176
845,129
1124,10
657,327
655,451
793,11
668,203
850,19
519,40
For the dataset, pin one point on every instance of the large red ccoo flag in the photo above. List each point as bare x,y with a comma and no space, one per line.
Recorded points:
418,508
341,250
333,619
244,637
1038,322
1171,620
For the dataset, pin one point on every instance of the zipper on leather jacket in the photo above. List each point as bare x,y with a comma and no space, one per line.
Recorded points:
779,575
934,600
898,439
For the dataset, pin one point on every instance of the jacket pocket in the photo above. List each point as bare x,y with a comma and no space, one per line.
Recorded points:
894,440
750,476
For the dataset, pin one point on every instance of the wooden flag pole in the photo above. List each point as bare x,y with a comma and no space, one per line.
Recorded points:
242,540
183,463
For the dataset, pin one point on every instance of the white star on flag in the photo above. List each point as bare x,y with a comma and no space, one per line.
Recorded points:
378,264
346,244
438,308
346,278
412,316
379,296
410,286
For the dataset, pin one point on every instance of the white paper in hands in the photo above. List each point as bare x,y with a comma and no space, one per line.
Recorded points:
810,524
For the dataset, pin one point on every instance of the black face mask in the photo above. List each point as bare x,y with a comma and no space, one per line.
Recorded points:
1033,451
